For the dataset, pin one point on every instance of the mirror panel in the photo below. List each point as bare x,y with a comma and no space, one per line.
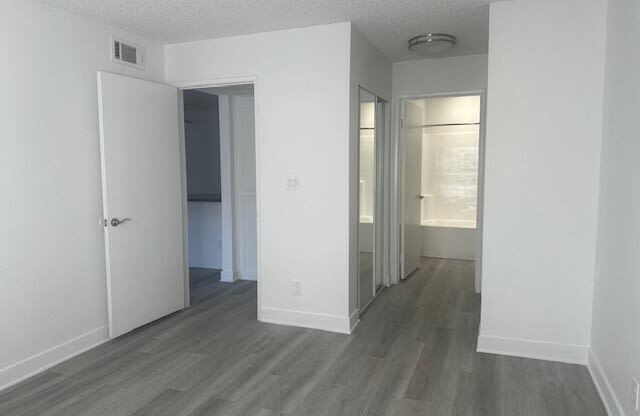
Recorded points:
367,198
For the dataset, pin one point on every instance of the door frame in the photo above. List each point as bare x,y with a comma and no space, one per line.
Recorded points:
217,83
397,225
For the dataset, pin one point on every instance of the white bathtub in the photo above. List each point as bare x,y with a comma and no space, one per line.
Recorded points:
449,223
452,239
365,234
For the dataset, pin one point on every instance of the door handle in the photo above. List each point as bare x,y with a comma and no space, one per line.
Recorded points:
115,222
420,196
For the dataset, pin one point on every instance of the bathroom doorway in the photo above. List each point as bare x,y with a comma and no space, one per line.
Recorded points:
442,141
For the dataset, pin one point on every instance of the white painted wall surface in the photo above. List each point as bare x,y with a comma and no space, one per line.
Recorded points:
202,145
205,234
303,122
541,180
52,267
615,342
449,242
439,75
372,71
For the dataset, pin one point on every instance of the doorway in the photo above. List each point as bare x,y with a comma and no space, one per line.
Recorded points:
146,195
220,164
442,142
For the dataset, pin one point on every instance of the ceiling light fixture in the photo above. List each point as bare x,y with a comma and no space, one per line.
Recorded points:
431,43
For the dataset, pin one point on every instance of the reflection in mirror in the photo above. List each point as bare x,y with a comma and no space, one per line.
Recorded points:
367,198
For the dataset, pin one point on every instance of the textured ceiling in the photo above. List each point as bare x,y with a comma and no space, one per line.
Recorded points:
388,24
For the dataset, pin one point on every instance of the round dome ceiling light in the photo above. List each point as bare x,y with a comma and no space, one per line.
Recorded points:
431,43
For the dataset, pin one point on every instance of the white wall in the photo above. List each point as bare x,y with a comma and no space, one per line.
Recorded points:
541,178
371,70
302,130
439,75
52,267
615,341
449,242
205,234
202,145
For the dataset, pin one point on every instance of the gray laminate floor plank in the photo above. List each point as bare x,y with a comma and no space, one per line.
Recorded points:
413,353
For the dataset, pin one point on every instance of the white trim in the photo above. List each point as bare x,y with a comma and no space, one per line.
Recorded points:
214,83
185,202
227,189
227,276
480,197
248,276
48,358
607,394
323,321
540,350
354,320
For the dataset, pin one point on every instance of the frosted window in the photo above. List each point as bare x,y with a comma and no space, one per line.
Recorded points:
450,162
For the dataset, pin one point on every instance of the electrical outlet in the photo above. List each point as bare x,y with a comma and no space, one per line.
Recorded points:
296,287
635,395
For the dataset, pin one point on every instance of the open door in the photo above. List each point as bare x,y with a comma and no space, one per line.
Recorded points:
142,200
412,116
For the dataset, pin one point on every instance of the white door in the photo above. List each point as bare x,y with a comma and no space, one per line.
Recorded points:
412,200
141,187
244,142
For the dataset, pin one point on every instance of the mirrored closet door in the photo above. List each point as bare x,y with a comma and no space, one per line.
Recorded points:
370,197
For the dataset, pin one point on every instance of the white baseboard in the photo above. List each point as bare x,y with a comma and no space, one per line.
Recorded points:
249,276
37,363
541,350
325,322
607,394
227,276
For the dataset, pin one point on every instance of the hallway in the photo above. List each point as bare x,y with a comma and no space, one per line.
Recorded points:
412,354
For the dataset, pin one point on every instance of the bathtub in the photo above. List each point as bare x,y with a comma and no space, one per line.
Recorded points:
449,223
365,234
452,239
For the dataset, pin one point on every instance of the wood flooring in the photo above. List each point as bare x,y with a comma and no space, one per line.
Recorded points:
413,353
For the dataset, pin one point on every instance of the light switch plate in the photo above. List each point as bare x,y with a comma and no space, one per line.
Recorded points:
293,183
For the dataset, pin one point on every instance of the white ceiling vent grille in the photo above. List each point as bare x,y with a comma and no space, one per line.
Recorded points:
126,53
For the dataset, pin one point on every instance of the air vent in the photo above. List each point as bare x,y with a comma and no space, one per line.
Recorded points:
126,53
